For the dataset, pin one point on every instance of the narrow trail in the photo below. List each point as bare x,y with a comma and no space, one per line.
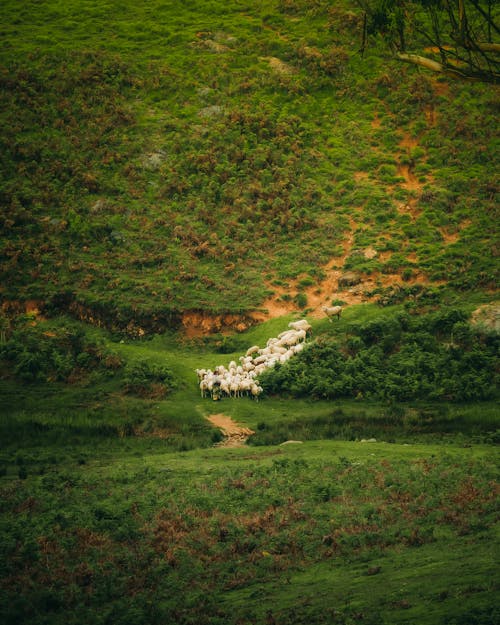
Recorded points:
234,435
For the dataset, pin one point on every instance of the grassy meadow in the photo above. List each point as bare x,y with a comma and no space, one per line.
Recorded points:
118,508
239,162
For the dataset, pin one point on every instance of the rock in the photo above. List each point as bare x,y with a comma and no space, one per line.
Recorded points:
487,316
99,206
153,160
291,443
359,289
214,110
370,253
204,91
349,278
278,66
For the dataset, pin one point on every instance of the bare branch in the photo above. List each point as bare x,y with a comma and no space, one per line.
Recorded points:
435,66
486,16
487,47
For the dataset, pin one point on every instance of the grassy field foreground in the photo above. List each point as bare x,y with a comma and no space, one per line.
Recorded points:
116,507
318,532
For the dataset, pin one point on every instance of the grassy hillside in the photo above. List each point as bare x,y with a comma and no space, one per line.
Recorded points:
180,180
209,156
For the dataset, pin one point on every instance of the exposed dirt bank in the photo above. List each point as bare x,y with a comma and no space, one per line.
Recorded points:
199,323
234,434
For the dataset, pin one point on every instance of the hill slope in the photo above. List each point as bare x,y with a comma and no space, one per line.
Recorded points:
229,158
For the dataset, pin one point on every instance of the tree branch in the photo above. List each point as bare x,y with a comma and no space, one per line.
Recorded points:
434,66
423,61
486,16
487,47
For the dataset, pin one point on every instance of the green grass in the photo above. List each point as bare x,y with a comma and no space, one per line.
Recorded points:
192,156
382,590
304,532
173,160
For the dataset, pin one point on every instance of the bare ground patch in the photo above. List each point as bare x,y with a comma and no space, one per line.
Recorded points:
200,323
488,315
234,435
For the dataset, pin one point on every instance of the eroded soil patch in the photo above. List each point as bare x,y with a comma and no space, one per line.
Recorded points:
234,435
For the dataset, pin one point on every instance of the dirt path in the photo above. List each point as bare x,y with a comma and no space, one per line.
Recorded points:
234,435
280,303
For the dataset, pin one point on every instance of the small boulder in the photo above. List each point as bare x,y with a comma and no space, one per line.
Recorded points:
349,278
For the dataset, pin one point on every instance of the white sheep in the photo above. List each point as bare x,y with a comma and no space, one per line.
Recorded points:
245,385
201,373
278,348
284,336
256,390
332,311
297,348
302,324
224,387
293,337
285,357
203,387
261,359
242,379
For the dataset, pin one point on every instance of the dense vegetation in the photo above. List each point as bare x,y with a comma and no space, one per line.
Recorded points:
398,357
331,535
61,350
167,158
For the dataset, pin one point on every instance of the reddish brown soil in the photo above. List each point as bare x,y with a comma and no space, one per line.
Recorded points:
30,307
452,237
234,434
199,323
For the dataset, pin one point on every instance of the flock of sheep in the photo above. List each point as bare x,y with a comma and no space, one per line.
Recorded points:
241,380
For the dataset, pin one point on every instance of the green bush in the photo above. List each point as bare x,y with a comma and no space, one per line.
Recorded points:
148,380
301,300
397,358
52,351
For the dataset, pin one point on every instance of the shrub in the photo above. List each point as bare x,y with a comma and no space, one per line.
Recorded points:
396,358
301,300
146,380
52,351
